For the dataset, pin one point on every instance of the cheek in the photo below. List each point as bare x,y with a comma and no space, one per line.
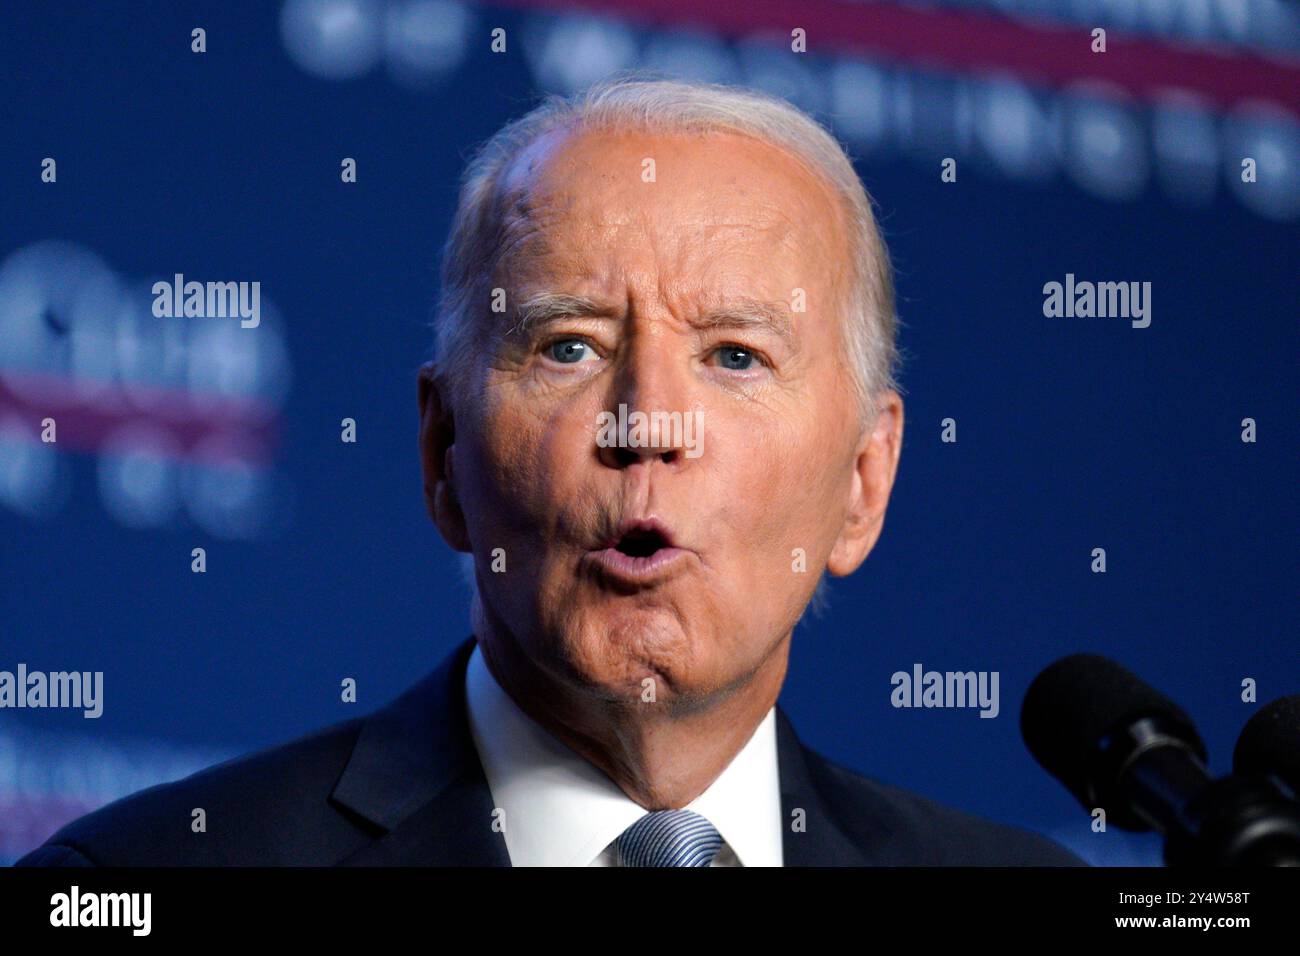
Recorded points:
784,487
788,471
531,460
494,454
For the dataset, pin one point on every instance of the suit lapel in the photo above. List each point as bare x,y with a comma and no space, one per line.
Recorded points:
821,842
414,776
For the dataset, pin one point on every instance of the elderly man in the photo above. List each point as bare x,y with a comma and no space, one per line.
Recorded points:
694,254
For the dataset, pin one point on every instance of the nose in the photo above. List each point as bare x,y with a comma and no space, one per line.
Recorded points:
648,415
619,458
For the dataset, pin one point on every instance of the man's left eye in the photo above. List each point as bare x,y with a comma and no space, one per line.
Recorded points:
569,351
736,358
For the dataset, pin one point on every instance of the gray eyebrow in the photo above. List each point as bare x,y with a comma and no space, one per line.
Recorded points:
542,307
749,313
743,313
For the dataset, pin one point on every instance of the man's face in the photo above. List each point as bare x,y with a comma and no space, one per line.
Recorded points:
657,270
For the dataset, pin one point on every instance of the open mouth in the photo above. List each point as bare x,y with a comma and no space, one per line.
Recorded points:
641,542
640,554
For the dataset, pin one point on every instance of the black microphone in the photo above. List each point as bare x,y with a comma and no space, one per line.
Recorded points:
1120,745
1270,743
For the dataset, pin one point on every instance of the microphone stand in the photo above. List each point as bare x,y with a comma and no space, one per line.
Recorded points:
1230,821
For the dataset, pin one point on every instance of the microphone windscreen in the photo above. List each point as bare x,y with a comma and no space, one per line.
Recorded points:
1270,743
1076,703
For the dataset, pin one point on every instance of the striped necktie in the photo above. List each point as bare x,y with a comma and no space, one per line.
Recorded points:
669,838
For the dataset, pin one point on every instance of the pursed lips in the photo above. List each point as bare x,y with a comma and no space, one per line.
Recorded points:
641,553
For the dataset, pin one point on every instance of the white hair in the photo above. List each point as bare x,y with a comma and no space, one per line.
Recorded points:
474,244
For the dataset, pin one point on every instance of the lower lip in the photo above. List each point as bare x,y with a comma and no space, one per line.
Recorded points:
648,570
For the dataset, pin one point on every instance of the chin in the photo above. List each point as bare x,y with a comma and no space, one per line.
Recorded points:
613,651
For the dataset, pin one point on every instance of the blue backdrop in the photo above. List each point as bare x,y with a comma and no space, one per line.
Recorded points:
1073,434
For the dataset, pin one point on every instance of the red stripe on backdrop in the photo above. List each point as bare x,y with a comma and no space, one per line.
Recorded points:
224,428
960,40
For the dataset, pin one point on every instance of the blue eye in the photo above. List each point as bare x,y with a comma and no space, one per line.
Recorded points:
736,358
568,351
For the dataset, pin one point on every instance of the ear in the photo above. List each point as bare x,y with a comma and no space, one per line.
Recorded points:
874,466
437,447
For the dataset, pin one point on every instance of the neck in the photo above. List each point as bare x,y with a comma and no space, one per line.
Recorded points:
662,757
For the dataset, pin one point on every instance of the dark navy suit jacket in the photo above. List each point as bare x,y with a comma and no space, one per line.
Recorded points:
404,786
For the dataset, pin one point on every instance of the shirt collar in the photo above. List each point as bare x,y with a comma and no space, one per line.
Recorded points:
560,810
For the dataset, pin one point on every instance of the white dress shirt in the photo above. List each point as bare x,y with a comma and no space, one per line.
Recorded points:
560,810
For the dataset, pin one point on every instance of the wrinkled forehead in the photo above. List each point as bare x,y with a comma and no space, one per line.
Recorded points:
574,200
